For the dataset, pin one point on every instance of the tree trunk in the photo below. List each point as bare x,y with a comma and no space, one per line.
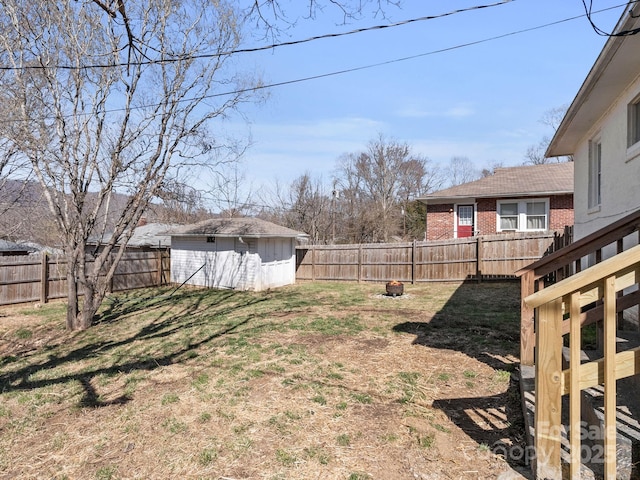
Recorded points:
90,305
80,319
72,298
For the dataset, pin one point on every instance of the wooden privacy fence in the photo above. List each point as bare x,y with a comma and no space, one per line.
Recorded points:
483,257
42,277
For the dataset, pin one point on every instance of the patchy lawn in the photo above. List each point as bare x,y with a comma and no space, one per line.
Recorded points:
313,381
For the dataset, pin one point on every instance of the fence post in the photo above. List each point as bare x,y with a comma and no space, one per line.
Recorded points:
359,262
44,278
313,263
159,267
479,258
413,262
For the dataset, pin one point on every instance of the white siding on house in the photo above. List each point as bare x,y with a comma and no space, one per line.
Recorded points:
620,177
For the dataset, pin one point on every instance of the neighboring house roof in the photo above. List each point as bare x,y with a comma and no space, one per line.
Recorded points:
7,246
237,227
615,68
152,235
522,181
148,235
36,247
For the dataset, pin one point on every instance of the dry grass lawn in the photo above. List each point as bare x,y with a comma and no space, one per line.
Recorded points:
312,381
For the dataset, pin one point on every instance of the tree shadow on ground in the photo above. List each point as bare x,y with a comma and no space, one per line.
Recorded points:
192,309
483,322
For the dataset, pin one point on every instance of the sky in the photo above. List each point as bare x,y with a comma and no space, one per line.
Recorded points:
482,101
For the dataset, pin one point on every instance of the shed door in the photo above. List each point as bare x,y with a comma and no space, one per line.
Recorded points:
465,221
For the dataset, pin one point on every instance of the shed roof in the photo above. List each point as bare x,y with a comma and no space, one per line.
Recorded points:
152,235
147,235
522,181
247,227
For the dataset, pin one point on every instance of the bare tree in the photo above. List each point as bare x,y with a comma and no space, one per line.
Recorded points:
108,99
181,203
461,170
377,185
230,193
488,171
535,154
302,205
552,118
11,191
310,209
268,14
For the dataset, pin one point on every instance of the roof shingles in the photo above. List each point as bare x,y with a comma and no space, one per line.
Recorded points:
233,227
530,180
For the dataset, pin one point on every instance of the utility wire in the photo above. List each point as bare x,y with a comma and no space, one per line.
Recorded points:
375,65
181,58
599,31
411,57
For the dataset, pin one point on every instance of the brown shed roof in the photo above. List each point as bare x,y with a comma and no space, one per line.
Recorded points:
522,181
237,227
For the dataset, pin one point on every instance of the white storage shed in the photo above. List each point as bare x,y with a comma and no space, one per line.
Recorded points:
234,253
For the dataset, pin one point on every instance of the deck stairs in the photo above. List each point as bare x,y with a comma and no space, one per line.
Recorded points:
590,286
592,426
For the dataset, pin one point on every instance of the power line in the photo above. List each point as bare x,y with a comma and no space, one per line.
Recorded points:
599,31
180,58
411,57
375,65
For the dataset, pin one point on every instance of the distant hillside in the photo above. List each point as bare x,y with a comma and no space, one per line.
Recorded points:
25,215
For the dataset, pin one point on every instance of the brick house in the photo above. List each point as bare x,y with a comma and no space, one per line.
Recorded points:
514,199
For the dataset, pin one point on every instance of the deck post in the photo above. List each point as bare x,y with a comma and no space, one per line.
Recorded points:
527,338
575,413
610,387
548,390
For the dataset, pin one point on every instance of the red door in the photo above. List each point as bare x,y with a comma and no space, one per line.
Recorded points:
465,221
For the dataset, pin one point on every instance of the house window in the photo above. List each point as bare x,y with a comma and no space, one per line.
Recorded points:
508,216
465,215
633,122
211,239
595,172
523,215
536,216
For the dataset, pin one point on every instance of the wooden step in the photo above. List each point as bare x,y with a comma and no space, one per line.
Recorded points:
628,426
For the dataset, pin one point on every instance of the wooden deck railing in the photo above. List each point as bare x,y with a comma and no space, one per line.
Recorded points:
565,262
558,311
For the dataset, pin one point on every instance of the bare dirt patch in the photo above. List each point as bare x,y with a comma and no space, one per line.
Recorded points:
309,382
